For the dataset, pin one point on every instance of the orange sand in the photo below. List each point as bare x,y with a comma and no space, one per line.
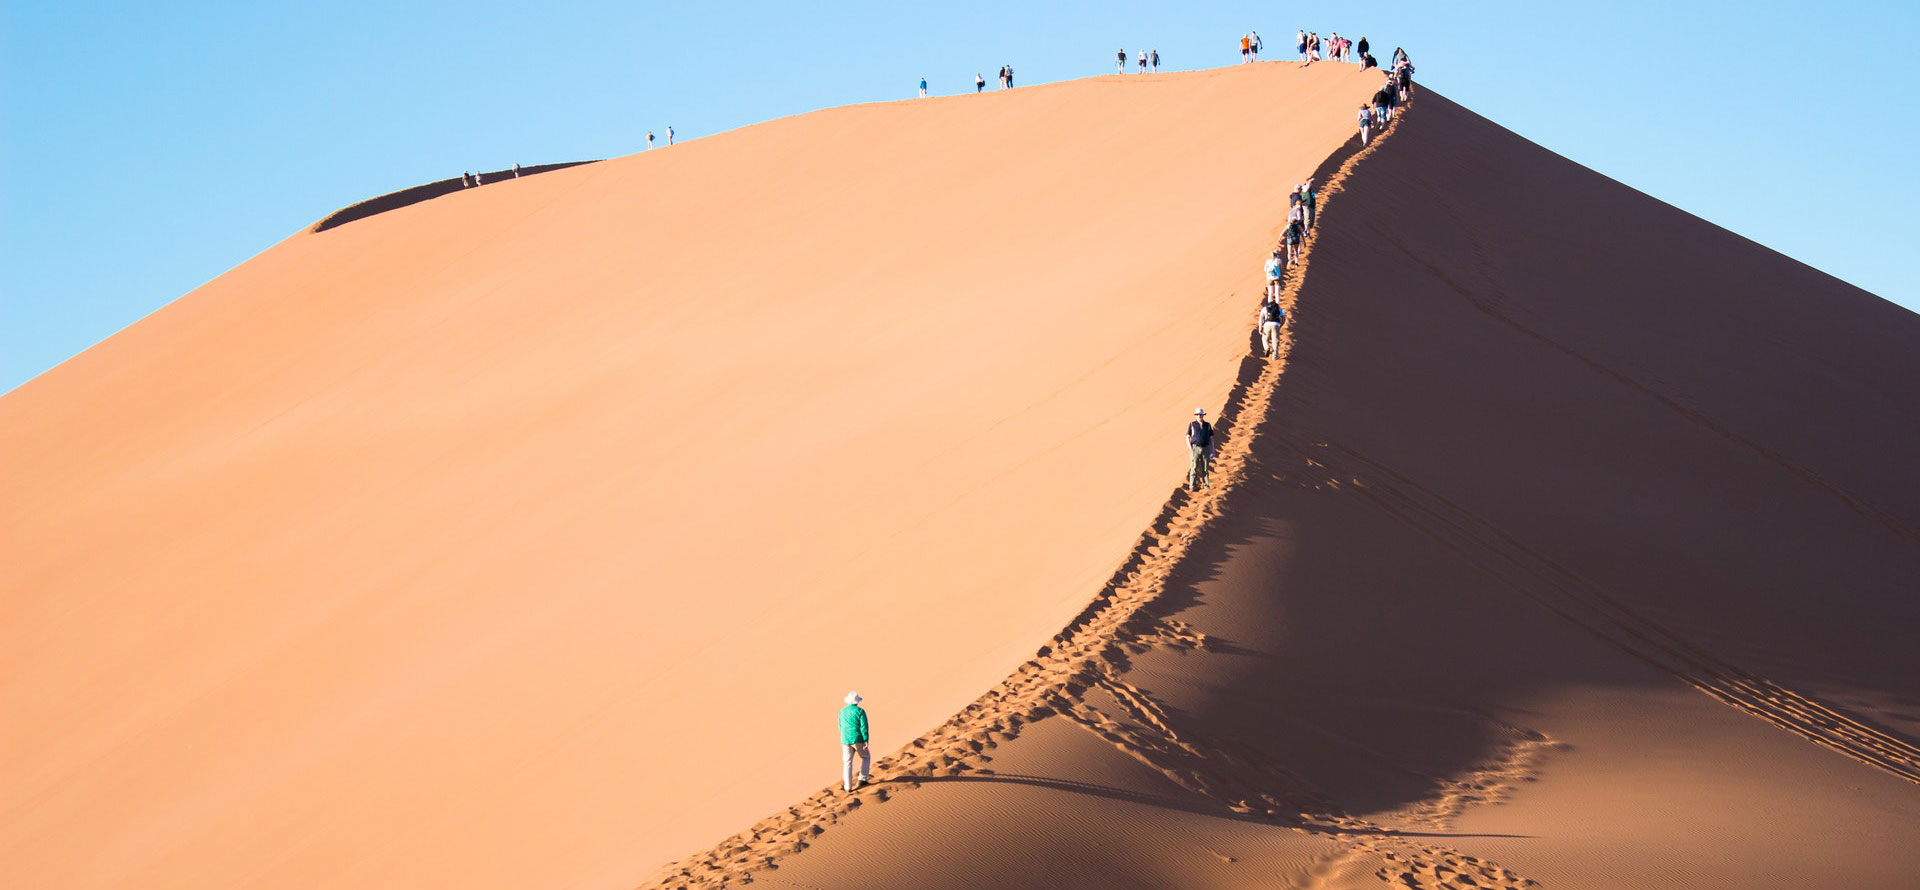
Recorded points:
529,536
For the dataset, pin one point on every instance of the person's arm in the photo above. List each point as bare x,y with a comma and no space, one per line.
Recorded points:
866,734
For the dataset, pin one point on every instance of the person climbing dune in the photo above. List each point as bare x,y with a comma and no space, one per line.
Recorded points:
854,736
1199,450
1270,319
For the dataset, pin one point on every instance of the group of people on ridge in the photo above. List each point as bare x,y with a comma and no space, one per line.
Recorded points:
1148,58
1269,319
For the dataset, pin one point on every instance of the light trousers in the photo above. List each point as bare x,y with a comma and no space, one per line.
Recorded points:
847,753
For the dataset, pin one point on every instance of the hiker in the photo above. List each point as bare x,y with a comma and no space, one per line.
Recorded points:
1368,61
979,82
853,741
1300,44
1120,60
1254,48
1365,119
1406,81
466,179
1199,450
923,88
1310,201
1291,237
669,135
1246,48
1271,318
1313,47
516,169
477,180
1003,77
1272,267
1143,61
1362,48
649,140
1009,76
1156,61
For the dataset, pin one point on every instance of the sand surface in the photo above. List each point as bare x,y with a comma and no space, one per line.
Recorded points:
528,536
1546,565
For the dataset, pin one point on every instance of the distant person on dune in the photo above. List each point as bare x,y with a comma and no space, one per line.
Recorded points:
1291,238
1143,61
516,169
1310,201
1300,44
1405,76
1004,77
1246,48
669,135
1365,118
1271,318
979,82
1362,48
478,178
1254,48
1156,61
923,88
1272,267
466,179
649,140
1009,77
853,741
1199,450
1368,61
1120,60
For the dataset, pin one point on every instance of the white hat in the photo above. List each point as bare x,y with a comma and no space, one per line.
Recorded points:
1200,411
853,698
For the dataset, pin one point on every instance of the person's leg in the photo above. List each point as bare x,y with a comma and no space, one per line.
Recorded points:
1193,466
866,762
846,767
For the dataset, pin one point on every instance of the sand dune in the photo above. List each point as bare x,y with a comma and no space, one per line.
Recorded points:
1574,548
528,536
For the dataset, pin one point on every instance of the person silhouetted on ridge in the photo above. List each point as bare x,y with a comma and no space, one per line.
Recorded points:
1362,48
516,169
1246,48
854,737
979,82
1155,56
466,179
1254,46
1199,450
669,135
1009,77
1120,60
1143,61
923,88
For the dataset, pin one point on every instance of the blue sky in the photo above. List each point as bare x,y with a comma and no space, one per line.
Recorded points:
148,147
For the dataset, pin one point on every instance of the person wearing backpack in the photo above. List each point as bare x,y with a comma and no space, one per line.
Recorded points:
1309,201
1199,450
979,82
854,737
1271,318
1292,239
1273,266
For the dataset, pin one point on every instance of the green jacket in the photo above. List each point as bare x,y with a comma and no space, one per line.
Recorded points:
853,725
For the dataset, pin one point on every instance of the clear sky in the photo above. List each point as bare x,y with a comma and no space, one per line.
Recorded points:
149,147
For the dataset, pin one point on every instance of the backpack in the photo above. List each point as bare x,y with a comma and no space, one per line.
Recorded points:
1273,313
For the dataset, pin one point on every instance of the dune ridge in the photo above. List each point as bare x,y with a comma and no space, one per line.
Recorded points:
1124,618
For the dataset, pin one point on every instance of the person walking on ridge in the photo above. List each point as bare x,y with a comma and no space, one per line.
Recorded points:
1199,450
1362,47
1308,200
669,135
1246,48
923,88
1273,267
1254,47
1271,318
1292,237
1156,61
1009,77
1120,61
649,140
1365,118
1143,61
979,82
854,737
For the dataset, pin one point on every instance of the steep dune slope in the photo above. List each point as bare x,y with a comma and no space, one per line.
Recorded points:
1573,521
528,536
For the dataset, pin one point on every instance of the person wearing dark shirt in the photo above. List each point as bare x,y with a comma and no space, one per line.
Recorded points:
1199,450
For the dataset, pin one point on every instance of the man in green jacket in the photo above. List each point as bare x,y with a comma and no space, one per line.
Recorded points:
853,740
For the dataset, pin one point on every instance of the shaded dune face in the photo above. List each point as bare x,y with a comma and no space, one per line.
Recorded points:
1576,546
529,536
